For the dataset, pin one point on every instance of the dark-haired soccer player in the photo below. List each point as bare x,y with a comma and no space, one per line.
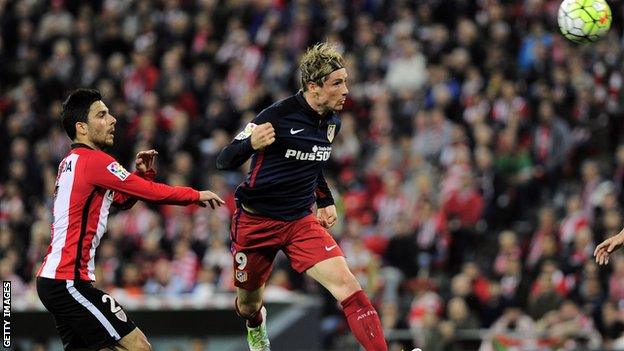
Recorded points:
289,142
88,183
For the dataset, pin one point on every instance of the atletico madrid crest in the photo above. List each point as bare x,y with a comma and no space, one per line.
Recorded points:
241,276
331,129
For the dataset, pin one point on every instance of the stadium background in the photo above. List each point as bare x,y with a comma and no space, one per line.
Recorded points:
479,162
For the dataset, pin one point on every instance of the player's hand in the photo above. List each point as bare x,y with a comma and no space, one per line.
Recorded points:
605,248
208,196
145,160
327,216
262,136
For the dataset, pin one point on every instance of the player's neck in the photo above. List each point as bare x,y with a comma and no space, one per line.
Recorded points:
87,142
309,98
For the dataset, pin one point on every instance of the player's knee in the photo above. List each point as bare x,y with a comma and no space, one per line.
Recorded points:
139,343
248,309
349,283
143,345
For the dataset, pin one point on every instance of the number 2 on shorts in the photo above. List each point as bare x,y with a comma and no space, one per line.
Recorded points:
113,307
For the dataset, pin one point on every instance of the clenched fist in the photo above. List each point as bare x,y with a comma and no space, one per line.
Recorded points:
262,136
327,216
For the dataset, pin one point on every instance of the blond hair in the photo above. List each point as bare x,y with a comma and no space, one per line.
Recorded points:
318,62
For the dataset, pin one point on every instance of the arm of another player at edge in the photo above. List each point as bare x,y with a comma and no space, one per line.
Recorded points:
135,186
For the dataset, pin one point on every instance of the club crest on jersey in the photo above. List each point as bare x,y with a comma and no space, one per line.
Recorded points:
241,276
118,171
331,130
122,316
246,133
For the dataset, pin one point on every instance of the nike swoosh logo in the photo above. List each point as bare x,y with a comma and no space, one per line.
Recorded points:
293,132
329,248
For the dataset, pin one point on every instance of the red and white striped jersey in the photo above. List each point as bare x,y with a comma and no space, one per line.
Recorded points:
87,184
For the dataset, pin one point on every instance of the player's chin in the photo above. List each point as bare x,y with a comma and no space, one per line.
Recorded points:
339,106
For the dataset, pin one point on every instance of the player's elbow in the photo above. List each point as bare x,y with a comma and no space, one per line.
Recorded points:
224,162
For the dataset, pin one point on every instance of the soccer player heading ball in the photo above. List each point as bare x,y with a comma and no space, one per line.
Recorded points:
289,142
88,183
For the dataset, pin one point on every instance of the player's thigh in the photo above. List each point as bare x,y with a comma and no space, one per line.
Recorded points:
255,242
103,320
334,274
309,244
136,340
70,339
252,268
82,314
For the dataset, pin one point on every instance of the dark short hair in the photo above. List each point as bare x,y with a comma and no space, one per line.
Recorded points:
76,109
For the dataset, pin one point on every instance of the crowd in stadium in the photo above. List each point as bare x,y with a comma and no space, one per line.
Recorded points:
480,158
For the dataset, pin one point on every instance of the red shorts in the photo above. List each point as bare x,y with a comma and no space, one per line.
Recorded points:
257,239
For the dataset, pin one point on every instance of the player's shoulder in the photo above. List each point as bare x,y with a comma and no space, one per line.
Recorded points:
335,120
94,157
278,109
100,161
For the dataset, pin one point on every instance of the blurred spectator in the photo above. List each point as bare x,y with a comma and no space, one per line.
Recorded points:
544,298
570,328
164,282
480,156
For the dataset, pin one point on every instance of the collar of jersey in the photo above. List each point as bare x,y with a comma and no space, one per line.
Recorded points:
75,145
308,109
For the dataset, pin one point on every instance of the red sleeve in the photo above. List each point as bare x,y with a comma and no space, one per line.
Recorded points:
125,201
105,172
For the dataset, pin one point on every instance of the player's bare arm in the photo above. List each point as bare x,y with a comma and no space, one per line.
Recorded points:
605,248
262,136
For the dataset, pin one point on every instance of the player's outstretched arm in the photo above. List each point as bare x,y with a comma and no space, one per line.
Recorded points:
103,171
253,138
144,165
605,248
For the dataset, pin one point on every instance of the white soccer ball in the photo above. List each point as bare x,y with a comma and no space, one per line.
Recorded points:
584,21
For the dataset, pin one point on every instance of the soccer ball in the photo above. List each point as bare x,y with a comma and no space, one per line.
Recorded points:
584,21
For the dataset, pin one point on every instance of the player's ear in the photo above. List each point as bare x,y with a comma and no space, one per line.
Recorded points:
314,87
81,128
